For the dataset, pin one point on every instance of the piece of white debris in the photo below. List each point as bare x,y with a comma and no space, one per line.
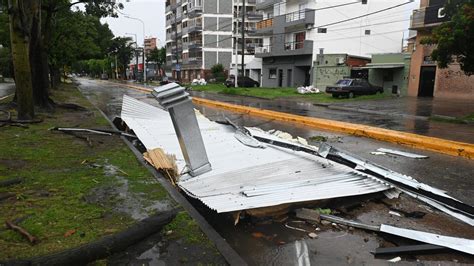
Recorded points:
313,235
395,213
397,259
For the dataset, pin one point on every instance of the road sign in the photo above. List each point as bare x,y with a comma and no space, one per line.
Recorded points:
178,67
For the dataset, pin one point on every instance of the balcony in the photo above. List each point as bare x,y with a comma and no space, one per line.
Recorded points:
285,49
263,4
194,28
427,17
264,26
299,18
195,44
171,7
254,16
194,11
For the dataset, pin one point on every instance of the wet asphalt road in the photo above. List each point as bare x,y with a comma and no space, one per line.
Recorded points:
280,245
6,89
406,114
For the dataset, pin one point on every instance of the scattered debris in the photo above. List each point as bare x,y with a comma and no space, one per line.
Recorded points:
308,214
395,213
163,162
33,240
313,235
459,244
435,197
71,106
70,233
296,228
397,259
105,132
307,90
200,82
401,153
378,153
412,249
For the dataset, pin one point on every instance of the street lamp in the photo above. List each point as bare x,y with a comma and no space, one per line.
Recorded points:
144,59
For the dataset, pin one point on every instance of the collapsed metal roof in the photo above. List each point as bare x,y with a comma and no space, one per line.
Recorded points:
245,177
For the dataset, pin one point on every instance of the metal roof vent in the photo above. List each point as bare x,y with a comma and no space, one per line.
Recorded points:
176,100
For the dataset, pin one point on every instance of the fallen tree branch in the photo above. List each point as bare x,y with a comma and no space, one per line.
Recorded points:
33,240
71,106
4,196
11,182
103,247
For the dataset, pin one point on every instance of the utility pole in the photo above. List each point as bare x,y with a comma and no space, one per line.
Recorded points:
178,76
116,68
243,38
143,27
236,44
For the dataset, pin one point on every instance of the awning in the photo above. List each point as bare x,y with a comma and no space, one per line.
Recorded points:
384,66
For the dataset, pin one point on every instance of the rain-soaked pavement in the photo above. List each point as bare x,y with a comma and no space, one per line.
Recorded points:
407,114
263,242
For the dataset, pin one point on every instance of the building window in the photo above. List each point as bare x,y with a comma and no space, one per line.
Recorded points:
272,74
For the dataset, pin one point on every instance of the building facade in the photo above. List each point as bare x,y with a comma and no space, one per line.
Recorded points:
330,68
203,33
150,45
426,79
295,31
390,71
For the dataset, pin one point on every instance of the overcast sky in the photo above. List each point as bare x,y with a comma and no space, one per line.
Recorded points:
152,12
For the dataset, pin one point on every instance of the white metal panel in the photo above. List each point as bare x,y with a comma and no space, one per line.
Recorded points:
244,177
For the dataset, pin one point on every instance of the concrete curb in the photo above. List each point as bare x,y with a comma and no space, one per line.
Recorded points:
224,248
443,146
450,147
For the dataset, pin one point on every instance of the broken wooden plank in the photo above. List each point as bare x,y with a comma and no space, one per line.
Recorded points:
308,214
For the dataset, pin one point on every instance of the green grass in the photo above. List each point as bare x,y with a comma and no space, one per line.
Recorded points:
468,119
183,226
58,178
275,93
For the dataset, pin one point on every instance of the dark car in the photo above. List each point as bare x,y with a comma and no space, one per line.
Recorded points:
241,82
165,80
352,87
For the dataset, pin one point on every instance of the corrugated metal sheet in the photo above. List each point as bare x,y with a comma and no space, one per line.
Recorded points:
244,177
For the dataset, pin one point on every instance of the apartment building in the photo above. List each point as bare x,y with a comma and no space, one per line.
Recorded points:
201,33
294,32
150,45
426,79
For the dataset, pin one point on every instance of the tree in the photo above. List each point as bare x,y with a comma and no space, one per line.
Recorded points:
22,14
455,38
218,72
158,56
122,47
6,63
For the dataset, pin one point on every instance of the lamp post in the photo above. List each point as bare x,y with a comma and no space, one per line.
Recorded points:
144,59
135,69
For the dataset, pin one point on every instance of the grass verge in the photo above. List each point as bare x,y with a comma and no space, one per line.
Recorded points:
275,93
70,190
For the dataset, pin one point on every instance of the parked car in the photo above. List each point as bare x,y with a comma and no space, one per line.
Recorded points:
104,76
352,87
241,82
165,80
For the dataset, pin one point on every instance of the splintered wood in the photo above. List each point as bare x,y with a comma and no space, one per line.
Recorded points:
165,163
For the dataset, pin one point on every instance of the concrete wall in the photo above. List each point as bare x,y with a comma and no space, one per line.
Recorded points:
225,24
284,63
210,24
225,58
400,75
450,82
210,6
329,72
210,59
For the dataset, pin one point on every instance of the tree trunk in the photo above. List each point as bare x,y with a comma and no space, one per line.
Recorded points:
55,76
39,70
21,14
